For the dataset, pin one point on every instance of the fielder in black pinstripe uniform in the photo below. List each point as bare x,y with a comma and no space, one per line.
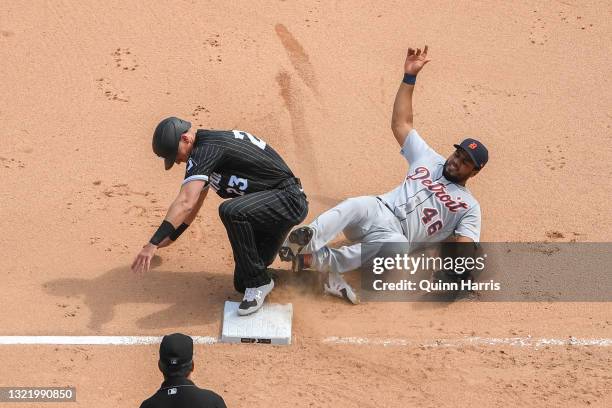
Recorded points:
265,199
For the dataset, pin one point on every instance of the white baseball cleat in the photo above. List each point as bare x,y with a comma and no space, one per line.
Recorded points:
337,286
254,298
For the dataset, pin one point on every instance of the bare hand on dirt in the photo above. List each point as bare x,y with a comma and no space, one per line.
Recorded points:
142,263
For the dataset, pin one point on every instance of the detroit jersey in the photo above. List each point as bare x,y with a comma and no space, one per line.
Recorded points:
235,163
429,207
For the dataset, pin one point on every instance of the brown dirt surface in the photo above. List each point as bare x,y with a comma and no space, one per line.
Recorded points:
84,84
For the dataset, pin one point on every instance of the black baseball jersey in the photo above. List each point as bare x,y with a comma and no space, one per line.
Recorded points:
180,392
235,163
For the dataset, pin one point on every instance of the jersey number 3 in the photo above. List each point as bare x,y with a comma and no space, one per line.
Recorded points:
240,183
428,215
239,134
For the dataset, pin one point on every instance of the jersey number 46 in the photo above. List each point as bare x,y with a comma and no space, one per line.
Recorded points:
428,216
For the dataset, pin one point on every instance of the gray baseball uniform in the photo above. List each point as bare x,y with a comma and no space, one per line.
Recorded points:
426,207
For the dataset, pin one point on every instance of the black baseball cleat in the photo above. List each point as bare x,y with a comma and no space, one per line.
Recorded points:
254,298
285,254
297,239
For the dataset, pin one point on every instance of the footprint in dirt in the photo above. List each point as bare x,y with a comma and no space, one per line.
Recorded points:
198,114
312,18
538,33
11,163
578,22
121,189
110,92
68,310
136,211
555,157
124,59
136,204
214,43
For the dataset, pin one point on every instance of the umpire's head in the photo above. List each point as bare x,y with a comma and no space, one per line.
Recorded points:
176,355
173,140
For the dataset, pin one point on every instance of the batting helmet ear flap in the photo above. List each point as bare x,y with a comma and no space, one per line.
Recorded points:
166,138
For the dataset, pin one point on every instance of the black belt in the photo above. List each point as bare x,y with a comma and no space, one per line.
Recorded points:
292,181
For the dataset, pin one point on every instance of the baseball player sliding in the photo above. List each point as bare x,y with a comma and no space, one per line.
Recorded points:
431,204
265,199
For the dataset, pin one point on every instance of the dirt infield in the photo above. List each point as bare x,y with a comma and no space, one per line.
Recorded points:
83,85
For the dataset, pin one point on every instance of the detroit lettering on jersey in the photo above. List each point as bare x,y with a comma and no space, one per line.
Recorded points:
421,173
235,163
429,207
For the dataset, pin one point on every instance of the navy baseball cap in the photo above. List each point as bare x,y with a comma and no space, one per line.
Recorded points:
175,353
166,138
476,150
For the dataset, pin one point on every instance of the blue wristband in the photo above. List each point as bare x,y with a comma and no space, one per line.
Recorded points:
409,79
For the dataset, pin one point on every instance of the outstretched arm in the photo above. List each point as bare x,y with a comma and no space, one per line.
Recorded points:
401,121
180,210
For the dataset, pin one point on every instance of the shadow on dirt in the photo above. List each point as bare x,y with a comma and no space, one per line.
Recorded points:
194,298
